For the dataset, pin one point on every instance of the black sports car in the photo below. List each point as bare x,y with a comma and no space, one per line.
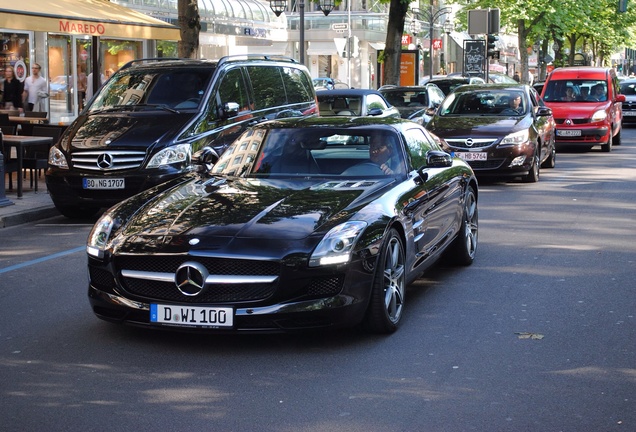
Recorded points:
300,224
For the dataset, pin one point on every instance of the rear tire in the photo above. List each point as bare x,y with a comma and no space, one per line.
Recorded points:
389,287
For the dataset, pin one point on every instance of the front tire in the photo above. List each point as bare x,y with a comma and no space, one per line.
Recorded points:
464,247
389,287
533,174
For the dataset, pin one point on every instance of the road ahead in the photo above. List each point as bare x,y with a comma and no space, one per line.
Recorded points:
538,335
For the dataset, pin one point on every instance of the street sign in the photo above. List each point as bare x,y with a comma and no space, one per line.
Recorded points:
340,26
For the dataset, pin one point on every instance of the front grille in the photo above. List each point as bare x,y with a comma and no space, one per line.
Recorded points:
325,287
575,121
107,160
101,279
216,293
471,143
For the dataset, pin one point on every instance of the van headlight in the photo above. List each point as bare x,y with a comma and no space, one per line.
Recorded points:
171,155
336,246
516,138
57,158
99,236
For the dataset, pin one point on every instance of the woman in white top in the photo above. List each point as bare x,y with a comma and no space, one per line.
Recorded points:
35,89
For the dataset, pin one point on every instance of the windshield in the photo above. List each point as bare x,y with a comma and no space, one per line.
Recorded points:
308,152
575,90
485,102
172,88
403,99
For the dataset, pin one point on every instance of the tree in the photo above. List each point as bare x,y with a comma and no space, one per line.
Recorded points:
190,26
393,44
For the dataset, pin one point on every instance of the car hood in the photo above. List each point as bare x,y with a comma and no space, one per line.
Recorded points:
222,210
577,109
465,126
128,131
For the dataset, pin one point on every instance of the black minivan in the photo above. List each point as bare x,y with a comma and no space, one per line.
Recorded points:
148,120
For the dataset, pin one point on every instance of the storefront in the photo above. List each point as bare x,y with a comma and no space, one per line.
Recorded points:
70,39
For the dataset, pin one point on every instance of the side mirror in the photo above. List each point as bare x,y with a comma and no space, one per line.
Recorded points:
375,112
544,111
230,109
438,159
205,159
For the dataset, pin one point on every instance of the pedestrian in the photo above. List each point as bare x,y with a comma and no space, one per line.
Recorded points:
12,90
35,90
517,77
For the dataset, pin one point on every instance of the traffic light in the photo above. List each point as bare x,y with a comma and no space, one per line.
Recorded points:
490,45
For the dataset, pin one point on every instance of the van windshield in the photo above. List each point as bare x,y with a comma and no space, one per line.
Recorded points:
176,89
583,90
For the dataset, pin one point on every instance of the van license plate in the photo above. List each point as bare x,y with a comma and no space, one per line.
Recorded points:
110,183
192,316
568,133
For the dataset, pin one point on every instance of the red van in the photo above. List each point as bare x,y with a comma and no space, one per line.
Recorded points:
587,106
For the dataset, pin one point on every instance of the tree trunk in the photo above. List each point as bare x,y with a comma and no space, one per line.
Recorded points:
523,51
393,44
190,26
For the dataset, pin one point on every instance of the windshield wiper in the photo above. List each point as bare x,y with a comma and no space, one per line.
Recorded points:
134,107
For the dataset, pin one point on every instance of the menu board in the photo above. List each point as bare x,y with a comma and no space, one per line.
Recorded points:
475,58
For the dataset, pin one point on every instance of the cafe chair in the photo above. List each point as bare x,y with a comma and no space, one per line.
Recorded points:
7,129
37,158
10,164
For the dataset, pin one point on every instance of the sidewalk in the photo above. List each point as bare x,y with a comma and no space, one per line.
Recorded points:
31,207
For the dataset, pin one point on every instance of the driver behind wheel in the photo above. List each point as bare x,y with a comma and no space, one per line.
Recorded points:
382,153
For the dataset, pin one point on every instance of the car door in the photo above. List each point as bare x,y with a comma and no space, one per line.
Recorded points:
434,210
543,124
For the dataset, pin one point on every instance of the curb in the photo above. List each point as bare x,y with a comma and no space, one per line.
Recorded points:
28,216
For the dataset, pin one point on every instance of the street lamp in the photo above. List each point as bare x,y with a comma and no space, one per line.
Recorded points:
430,16
278,7
326,6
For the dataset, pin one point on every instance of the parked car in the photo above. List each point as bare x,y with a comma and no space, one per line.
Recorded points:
297,226
628,88
355,102
450,83
590,119
58,87
500,78
501,130
145,123
326,83
414,103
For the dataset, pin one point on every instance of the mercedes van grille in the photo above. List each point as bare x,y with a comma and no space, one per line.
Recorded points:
108,160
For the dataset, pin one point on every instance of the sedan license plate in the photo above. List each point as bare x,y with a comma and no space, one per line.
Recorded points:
99,183
194,316
629,113
568,132
473,156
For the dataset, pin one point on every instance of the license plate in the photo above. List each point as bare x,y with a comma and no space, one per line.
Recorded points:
629,113
192,316
109,183
568,133
473,156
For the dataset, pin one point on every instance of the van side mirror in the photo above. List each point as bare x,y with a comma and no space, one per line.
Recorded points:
230,109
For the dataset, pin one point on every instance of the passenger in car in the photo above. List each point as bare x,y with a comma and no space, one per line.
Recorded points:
598,93
569,95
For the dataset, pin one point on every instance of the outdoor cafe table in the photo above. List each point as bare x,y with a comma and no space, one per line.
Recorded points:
30,120
21,142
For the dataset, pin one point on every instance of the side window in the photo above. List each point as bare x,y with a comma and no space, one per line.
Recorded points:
268,86
418,144
232,88
375,101
297,85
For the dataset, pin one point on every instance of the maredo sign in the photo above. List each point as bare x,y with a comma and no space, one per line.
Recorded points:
79,27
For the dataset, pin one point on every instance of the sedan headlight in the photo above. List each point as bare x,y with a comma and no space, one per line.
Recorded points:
57,158
516,138
99,236
171,155
336,246
599,115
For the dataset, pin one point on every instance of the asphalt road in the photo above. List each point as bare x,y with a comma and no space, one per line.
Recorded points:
538,335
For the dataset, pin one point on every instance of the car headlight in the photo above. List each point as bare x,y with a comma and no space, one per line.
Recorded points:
57,158
516,138
599,115
336,246
171,155
99,236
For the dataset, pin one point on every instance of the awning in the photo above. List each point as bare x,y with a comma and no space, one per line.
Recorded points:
322,48
84,17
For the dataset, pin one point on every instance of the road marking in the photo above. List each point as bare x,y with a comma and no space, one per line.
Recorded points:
39,260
